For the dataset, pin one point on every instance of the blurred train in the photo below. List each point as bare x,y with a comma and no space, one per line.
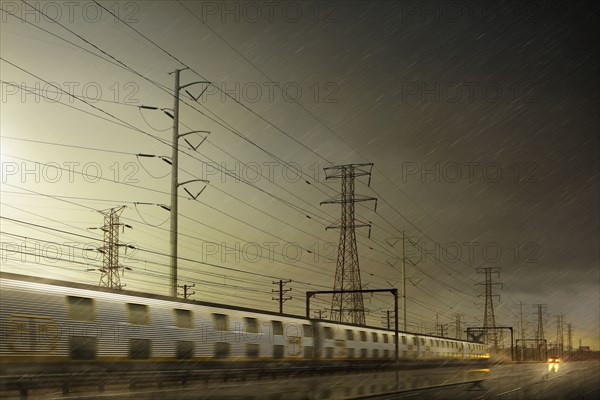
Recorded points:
49,325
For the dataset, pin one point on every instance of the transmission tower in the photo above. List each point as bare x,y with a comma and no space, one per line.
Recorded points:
560,336
540,328
348,307
110,276
489,319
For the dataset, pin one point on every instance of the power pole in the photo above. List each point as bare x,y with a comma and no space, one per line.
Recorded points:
540,328
348,307
388,317
489,319
560,335
110,249
185,288
392,242
570,340
404,280
281,292
175,177
522,328
458,326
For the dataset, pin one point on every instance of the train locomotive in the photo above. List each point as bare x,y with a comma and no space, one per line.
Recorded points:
56,326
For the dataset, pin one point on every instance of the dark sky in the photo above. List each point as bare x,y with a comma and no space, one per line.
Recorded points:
481,119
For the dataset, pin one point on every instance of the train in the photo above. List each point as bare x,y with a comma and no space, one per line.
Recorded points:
56,326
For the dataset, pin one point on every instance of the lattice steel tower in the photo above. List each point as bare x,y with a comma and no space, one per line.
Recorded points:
348,307
110,250
539,337
489,319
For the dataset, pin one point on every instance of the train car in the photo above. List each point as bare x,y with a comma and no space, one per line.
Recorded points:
48,325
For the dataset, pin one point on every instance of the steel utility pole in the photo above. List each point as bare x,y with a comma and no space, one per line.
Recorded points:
281,291
174,184
404,280
522,328
185,288
175,177
458,325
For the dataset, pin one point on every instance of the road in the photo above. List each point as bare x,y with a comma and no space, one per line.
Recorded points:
576,380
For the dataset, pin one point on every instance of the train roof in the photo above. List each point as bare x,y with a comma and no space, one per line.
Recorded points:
56,282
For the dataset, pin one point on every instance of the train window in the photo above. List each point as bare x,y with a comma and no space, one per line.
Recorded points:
139,349
328,331
277,328
221,350
138,314
184,349
308,351
386,353
385,338
328,352
363,353
83,347
350,353
81,308
403,339
221,322
252,350
250,325
183,318
415,341
374,336
423,341
349,334
375,353
363,336
431,342
278,351
308,330
437,343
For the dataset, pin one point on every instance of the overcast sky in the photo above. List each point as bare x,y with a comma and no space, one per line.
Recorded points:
481,120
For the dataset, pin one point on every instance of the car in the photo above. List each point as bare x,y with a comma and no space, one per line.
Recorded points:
553,360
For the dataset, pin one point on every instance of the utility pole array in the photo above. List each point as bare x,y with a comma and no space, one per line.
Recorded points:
489,319
185,288
281,292
348,307
110,269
